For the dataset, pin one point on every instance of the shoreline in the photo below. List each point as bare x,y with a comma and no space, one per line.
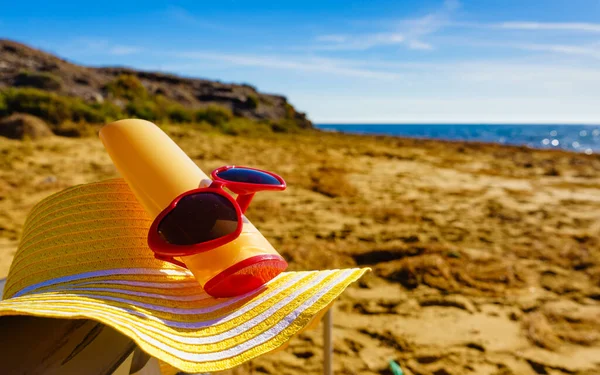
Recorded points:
477,144
585,150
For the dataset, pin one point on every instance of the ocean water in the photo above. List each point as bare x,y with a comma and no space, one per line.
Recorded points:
579,138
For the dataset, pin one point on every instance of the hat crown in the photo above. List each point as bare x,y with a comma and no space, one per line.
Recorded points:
79,233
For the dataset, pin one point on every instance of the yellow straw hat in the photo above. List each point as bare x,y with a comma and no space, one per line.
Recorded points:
83,254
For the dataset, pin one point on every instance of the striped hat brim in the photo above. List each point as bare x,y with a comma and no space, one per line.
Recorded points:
83,254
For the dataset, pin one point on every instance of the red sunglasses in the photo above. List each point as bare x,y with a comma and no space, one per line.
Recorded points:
208,217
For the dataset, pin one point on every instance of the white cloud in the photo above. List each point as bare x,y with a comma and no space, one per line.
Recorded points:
183,16
415,44
431,22
91,44
589,50
563,49
297,63
413,32
121,50
358,42
582,50
82,46
553,26
335,38
407,32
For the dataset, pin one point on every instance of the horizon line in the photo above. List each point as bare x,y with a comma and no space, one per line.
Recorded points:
316,123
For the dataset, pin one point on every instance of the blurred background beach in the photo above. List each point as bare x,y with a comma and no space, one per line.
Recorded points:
453,147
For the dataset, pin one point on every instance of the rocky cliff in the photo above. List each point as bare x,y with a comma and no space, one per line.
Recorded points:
23,66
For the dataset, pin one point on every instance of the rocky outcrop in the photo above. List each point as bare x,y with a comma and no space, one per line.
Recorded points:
21,126
23,66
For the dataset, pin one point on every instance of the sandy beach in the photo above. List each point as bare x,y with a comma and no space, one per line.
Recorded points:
485,259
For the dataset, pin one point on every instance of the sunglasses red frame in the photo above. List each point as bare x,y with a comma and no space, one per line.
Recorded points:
245,192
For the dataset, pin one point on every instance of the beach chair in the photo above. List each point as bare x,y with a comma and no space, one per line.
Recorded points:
64,346
69,346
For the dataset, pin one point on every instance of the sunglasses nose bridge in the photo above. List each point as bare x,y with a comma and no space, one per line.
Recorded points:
217,185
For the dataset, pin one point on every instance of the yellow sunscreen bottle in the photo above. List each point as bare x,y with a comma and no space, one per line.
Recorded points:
158,171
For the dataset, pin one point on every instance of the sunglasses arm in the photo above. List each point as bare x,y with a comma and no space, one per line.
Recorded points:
243,200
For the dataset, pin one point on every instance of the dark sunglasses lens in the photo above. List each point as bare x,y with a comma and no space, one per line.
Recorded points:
248,176
198,218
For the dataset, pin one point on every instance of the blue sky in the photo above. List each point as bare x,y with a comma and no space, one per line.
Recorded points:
375,61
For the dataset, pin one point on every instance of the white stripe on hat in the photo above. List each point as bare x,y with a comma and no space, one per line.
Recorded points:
109,272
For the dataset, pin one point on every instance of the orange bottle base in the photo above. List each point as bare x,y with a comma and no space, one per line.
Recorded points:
245,276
